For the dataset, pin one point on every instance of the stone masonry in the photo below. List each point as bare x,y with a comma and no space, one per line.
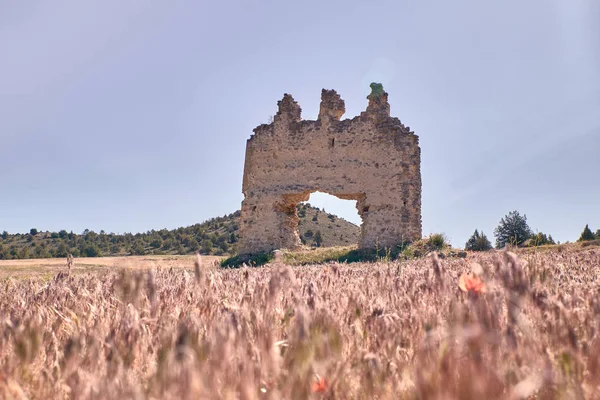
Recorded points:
373,159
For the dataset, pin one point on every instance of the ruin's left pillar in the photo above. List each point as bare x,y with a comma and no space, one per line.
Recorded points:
266,224
268,218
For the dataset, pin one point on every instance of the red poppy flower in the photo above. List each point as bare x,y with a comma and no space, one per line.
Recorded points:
471,284
320,385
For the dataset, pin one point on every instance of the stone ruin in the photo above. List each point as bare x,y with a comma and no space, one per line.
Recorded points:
373,159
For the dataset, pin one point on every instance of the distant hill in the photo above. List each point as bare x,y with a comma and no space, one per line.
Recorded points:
217,236
334,231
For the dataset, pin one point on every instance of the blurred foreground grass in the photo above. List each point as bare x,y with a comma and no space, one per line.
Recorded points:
521,325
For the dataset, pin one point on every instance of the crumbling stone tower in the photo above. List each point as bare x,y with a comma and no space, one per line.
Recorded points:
373,159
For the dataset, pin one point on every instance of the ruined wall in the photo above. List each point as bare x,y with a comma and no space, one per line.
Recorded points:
372,158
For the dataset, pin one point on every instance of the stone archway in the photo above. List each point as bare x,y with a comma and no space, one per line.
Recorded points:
372,159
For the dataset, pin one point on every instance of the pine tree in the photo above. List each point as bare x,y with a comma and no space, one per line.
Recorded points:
478,242
232,238
587,234
318,240
513,229
470,245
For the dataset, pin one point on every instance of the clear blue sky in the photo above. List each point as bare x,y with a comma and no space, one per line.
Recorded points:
133,115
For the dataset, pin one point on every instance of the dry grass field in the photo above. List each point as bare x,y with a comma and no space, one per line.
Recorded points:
49,267
523,326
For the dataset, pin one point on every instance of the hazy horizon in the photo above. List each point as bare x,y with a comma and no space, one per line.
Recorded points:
133,116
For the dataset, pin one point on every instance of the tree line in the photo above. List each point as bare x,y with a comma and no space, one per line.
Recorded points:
219,236
216,236
513,230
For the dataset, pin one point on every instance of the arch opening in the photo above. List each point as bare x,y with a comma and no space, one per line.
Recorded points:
327,220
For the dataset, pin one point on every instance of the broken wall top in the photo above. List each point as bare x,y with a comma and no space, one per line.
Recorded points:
330,154
331,109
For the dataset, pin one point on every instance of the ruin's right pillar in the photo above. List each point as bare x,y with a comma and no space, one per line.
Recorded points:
390,224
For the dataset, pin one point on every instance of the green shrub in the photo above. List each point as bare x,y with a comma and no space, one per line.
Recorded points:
156,243
409,253
137,249
193,245
254,260
540,239
62,250
437,241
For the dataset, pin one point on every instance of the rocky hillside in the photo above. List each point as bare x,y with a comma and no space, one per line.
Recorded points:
217,236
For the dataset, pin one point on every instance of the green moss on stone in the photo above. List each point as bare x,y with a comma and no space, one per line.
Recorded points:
376,89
